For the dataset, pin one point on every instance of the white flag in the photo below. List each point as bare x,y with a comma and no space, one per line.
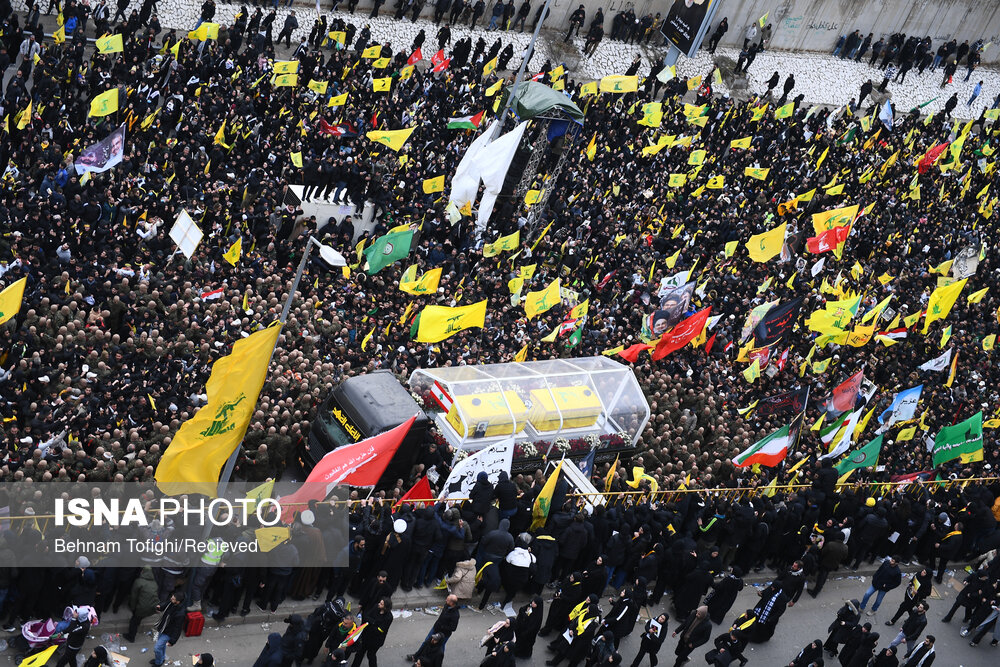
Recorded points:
492,460
938,363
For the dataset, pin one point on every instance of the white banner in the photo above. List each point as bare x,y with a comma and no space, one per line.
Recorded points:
492,460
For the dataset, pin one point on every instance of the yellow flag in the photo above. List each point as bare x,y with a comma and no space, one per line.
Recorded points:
494,89
286,67
382,85
337,100
367,339
752,372
762,247
427,284
819,367
318,86
297,159
39,659
941,301
619,83
837,217
731,248
532,197
989,342
696,157
59,36
976,297
592,148
652,114
693,82
285,80
754,172
193,461
522,354
786,111
435,184
540,301
509,242
861,335
104,104
394,139
381,63
489,68
543,503
233,254
271,536
109,44
405,72
716,182
372,52
437,323
586,89
338,36
906,434
10,300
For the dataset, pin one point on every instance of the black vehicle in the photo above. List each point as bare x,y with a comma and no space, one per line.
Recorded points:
363,406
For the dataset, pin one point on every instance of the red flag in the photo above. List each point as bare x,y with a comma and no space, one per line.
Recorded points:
761,354
420,491
631,353
415,57
359,464
606,279
442,66
929,158
438,58
709,344
375,120
828,240
682,334
782,360
846,393
338,130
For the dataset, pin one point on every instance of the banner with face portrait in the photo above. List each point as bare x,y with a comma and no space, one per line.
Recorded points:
686,23
103,155
673,306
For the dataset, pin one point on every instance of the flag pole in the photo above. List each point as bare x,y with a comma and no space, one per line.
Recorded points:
227,471
520,72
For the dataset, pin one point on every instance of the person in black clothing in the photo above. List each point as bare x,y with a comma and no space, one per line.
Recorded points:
720,31
445,624
378,619
576,20
808,656
526,626
76,634
914,624
723,595
694,631
916,591
652,639
840,628
430,653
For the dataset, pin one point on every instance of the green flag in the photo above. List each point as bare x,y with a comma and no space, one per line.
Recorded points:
387,249
828,432
963,440
575,338
866,457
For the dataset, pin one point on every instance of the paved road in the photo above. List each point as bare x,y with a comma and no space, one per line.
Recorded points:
239,644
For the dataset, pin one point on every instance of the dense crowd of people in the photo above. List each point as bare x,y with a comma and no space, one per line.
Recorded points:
114,342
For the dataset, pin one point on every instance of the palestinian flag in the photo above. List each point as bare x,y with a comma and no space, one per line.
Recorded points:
769,452
466,122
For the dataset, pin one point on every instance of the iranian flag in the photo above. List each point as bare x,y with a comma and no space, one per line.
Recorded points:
466,122
769,452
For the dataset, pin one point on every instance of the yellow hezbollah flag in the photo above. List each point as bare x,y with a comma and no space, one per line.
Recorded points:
10,300
522,354
435,184
785,111
941,301
394,139
104,104
297,159
286,67
741,143
427,284
318,86
540,510
372,52
976,297
110,44
233,254
382,85
763,247
337,100
193,461
619,83
755,172
494,89
694,82
677,180
586,89
285,80
716,182
439,322
532,197
837,217
509,242
489,68
540,301
381,63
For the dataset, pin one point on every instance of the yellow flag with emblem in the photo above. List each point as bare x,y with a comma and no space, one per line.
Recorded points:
233,254
110,44
270,537
285,80
11,298
193,461
757,173
426,284
589,88
372,52
619,83
337,100
382,85
286,67
941,301
509,242
540,301
436,323
435,184
543,503
104,104
393,139
318,86
762,247
741,143
490,67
